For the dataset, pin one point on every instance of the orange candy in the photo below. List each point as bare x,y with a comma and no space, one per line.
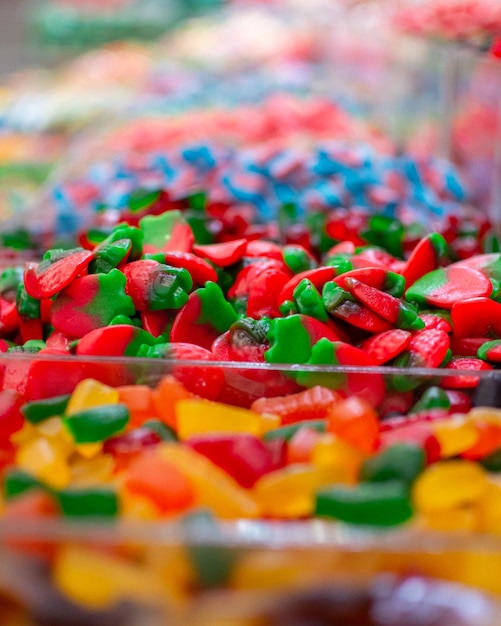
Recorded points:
165,396
312,404
139,401
154,478
356,422
300,447
489,441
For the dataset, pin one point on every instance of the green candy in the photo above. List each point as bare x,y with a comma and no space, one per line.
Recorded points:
333,296
162,430
213,564
394,285
10,279
97,424
214,308
340,263
157,229
98,502
368,504
27,307
109,255
432,398
289,340
133,234
492,462
322,353
308,300
17,482
402,462
485,348
297,259
40,410
287,432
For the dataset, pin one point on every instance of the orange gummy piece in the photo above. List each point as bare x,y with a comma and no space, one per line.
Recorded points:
300,447
165,396
355,421
311,404
139,401
489,441
154,478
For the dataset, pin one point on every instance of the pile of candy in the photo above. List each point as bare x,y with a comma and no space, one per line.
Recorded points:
474,21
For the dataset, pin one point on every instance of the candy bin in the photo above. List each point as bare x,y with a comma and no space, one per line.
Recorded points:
187,490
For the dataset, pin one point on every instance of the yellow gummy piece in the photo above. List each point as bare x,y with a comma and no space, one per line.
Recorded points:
455,435
485,414
55,430
199,417
269,422
46,460
490,509
459,519
446,486
26,434
98,580
89,450
290,492
135,507
90,393
213,487
334,453
92,472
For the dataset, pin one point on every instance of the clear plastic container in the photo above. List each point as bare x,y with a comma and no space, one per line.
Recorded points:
238,572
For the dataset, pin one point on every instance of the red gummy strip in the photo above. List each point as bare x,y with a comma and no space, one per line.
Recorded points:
57,276
222,254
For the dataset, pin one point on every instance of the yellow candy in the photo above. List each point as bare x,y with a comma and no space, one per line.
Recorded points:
459,519
269,422
25,435
54,429
490,509
136,507
46,460
92,472
199,417
89,450
455,435
485,414
213,487
290,492
334,453
98,580
446,486
89,394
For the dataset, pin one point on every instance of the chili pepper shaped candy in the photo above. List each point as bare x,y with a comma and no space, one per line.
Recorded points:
263,294
340,304
309,301
381,279
318,277
387,345
109,255
464,381
91,302
154,286
298,259
52,275
427,256
125,232
476,317
326,352
392,309
490,351
205,316
118,340
291,338
445,287
165,232
222,254
200,270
